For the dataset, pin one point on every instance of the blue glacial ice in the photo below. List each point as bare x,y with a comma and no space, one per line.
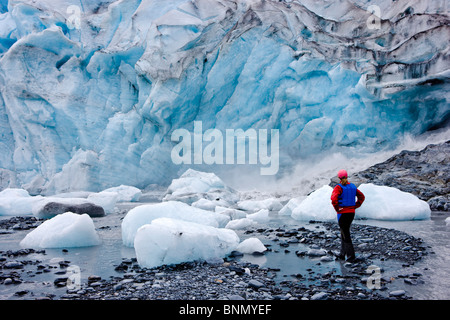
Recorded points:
90,92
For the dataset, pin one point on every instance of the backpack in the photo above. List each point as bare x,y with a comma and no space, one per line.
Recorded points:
347,197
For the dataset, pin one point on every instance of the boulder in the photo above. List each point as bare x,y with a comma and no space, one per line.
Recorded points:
54,208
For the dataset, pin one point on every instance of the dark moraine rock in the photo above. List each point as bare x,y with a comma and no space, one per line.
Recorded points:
55,208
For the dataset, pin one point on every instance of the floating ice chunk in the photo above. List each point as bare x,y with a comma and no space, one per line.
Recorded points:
194,185
291,205
73,194
171,241
251,245
232,213
108,198
447,221
240,224
193,181
205,204
105,199
63,231
260,216
381,203
388,203
209,204
271,204
17,202
317,206
126,193
14,193
144,214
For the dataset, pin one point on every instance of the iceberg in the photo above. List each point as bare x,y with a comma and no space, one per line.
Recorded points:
170,241
251,245
290,205
388,203
66,230
317,206
105,199
270,204
260,216
201,189
108,198
248,220
241,223
381,203
126,193
17,202
145,214
90,94
232,213
208,204
14,201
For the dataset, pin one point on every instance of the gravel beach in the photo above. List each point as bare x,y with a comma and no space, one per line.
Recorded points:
231,278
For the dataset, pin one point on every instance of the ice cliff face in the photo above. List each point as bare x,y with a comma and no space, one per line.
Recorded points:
91,91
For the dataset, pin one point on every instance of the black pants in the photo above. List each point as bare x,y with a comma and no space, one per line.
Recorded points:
345,222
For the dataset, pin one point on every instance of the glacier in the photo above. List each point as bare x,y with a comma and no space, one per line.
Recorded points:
90,92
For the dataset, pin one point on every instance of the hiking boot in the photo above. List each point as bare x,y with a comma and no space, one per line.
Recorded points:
339,256
355,259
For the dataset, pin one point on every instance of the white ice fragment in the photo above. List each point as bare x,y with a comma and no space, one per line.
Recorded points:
126,193
317,206
144,214
240,223
105,199
232,213
16,202
172,241
381,203
388,203
271,204
261,216
65,230
251,245
290,206
195,185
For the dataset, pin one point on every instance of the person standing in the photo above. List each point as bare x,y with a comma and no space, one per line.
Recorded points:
343,199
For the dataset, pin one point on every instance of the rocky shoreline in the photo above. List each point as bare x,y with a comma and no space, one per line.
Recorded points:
230,278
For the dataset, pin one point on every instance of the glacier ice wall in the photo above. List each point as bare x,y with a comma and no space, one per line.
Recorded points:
90,92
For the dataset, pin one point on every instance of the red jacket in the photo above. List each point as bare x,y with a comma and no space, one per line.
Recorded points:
335,200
